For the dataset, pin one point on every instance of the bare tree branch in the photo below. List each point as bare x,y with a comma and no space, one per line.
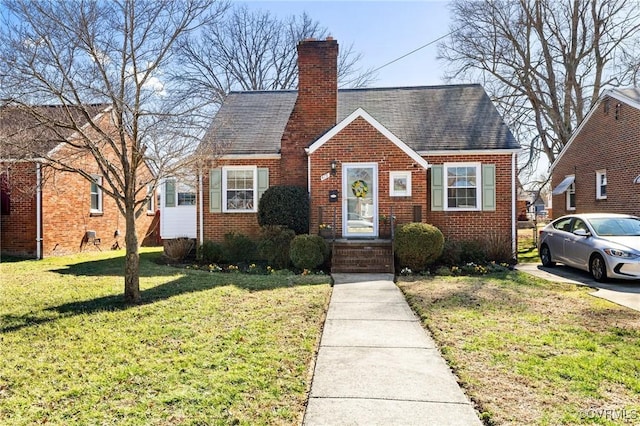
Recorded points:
544,62
253,50
111,70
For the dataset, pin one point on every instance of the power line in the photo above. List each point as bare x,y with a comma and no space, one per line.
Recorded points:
413,51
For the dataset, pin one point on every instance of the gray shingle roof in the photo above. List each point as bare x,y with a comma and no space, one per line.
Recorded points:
430,118
27,132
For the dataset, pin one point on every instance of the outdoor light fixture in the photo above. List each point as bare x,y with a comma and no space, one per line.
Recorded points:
334,165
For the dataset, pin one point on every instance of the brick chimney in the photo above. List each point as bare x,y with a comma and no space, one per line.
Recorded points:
316,106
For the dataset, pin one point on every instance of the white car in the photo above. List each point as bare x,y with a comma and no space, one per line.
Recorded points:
606,245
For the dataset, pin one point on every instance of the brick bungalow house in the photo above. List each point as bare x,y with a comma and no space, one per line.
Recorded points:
46,212
440,155
598,170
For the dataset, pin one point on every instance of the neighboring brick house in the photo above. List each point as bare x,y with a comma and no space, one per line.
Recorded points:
598,170
47,212
441,155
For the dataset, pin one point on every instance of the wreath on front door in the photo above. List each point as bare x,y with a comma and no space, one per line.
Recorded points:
359,188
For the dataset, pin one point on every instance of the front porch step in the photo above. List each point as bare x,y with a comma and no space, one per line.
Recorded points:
375,256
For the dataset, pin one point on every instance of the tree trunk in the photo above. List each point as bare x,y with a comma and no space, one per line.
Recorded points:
132,259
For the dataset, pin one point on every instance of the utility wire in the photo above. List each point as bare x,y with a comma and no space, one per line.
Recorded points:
413,51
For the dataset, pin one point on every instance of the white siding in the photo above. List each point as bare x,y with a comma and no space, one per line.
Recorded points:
178,221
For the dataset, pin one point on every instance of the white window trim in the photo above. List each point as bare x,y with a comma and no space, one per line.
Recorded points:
478,167
98,180
400,174
570,190
599,174
254,169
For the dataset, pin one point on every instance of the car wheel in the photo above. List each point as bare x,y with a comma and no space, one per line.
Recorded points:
545,256
598,268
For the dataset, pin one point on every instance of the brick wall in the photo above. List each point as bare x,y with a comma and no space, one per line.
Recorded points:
66,217
604,143
315,110
469,225
216,225
65,213
18,229
361,143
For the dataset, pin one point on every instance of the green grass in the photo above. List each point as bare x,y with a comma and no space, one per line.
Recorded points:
533,352
527,249
203,348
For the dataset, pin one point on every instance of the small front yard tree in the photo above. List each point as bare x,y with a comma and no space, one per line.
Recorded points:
119,54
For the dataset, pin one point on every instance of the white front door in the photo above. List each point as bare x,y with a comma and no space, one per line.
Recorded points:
360,200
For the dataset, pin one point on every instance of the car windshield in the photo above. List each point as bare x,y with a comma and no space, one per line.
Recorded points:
616,227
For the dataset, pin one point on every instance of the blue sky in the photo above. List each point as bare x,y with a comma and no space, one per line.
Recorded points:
382,31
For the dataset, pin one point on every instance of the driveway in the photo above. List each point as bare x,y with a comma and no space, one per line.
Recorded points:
625,293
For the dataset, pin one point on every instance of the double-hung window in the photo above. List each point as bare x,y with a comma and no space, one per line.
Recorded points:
601,185
96,194
239,189
571,196
462,186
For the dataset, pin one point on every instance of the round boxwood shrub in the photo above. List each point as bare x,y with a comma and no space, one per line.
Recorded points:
286,206
417,245
308,251
274,245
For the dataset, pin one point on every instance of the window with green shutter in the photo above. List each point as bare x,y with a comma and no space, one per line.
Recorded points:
237,189
463,187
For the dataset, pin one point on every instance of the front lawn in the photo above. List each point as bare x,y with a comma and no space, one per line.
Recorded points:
203,348
532,352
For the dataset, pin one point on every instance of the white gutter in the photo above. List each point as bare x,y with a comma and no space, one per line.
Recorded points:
200,206
38,210
513,205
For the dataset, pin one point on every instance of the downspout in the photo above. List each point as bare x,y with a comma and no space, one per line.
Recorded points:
513,206
38,210
200,207
309,188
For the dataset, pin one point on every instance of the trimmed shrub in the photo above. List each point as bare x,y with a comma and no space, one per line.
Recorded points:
238,248
211,252
274,245
286,206
417,245
308,251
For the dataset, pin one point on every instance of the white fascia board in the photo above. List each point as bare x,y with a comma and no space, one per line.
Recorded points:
379,127
442,153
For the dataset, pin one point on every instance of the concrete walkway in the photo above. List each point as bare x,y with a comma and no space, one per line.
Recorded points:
377,366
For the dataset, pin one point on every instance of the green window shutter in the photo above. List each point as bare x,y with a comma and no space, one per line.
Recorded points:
170,193
263,181
437,188
215,190
488,187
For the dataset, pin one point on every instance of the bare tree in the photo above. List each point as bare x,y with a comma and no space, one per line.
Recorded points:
254,50
543,62
119,55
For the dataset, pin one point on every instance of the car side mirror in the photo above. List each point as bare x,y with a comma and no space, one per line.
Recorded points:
582,233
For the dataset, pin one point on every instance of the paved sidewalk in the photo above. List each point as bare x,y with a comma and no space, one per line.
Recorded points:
377,365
